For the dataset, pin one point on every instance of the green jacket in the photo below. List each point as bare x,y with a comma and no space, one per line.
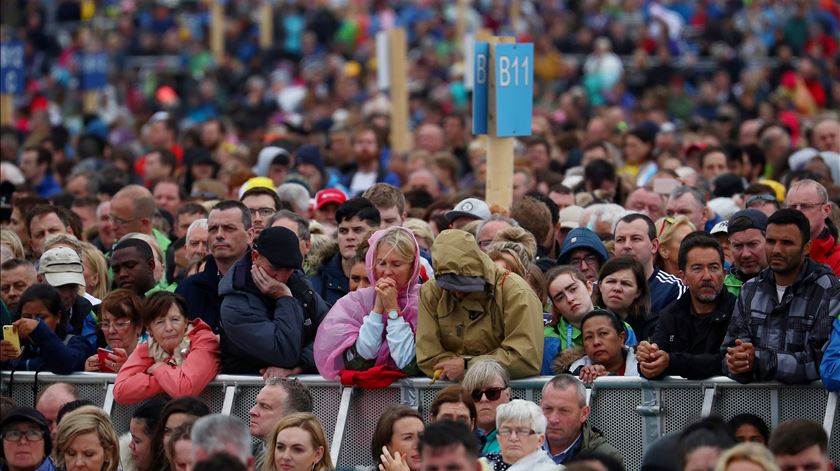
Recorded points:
594,441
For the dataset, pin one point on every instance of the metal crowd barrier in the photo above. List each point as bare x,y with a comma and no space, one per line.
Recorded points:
631,412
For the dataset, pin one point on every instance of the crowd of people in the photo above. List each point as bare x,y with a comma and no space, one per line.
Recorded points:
674,213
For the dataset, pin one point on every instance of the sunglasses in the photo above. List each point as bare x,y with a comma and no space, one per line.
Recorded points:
491,393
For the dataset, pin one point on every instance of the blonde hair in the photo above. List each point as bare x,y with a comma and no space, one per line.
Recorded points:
666,228
750,452
87,419
421,230
91,255
10,238
519,241
311,425
65,240
399,241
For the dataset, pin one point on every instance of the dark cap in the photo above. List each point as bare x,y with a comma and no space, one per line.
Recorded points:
749,219
28,414
280,246
727,185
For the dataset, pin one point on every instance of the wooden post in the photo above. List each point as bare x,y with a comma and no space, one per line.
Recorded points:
499,184
513,14
398,73
7,109
217,29
90,102
461,24
266,24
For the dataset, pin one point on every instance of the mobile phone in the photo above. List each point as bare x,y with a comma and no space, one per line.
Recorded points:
664,186
103,357
10,334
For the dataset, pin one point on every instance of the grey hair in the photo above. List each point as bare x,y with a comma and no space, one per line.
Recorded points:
698,195
303,224
195,225
610,213
99,208
222,433
298,396
295,194
482,373
92,180
566,381
821,191
495,217
519,410
64,239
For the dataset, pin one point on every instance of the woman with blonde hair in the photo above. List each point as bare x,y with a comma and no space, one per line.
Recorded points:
747,457
671,230
376,326
97,278
298,444
10,242
86,440
422,232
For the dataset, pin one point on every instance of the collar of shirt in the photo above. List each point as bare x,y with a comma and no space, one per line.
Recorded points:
560,457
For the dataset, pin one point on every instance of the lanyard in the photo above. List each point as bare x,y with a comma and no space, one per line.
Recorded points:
569,343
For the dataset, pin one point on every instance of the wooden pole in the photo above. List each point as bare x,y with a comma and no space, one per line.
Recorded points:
514,16
217,29
499,185
90,102
461,24
7,109
266,25
398,72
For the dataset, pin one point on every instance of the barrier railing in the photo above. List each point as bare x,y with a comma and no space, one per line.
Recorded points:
631,412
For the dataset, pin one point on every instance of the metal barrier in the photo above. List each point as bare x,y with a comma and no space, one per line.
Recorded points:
631,412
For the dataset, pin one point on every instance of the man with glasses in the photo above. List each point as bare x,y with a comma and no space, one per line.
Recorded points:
228,237
26,440
489,386
568,433
262,202
811,198
132,210
583,249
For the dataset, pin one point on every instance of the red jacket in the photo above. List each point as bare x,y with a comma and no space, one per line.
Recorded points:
827,251
199,367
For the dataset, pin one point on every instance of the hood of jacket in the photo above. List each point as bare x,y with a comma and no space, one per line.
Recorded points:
456,252
582,238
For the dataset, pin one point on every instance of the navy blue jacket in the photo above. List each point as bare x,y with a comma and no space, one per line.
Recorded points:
330,282
47,352
202,294
259,331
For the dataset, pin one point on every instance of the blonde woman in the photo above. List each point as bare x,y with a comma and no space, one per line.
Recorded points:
97,279
298,444
10,242
671,230
87,440
422,232
747,457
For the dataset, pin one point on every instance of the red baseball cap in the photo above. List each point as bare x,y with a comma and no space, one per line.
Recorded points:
330,195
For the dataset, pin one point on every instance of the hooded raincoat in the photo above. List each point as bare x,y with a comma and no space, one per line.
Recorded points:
502,323
339,330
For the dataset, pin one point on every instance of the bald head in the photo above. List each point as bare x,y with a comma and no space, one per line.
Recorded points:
132,209
826,136
52,400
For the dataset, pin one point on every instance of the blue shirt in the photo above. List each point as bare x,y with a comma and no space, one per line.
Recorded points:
569,452
664,289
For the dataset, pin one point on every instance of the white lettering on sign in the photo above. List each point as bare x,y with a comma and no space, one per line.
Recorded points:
11,80
509,71
481,64
12,57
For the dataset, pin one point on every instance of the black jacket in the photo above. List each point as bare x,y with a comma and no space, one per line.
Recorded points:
202,294
259,331
692,341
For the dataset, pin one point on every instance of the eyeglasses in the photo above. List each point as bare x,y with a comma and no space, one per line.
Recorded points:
665,223
764,197
16,435
590,260
804,206
119,325
263,212
520,432
120,222
491,393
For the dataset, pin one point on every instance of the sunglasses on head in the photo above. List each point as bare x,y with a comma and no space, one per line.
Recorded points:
491,393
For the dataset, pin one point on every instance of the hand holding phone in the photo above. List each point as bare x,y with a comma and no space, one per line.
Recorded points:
10,334
104,360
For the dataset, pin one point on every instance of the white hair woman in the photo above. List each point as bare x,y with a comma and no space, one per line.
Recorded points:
520,426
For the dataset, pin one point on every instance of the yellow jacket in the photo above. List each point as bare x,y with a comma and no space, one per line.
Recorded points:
504,323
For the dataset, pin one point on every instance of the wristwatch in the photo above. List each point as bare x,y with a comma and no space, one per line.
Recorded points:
393,314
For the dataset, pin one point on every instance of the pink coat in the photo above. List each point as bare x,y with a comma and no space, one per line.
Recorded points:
199,367
340,328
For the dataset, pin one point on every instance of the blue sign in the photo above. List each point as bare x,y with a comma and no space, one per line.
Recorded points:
514,73
481,56
11,68
94,71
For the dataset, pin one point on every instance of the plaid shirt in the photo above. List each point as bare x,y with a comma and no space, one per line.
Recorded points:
789,335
